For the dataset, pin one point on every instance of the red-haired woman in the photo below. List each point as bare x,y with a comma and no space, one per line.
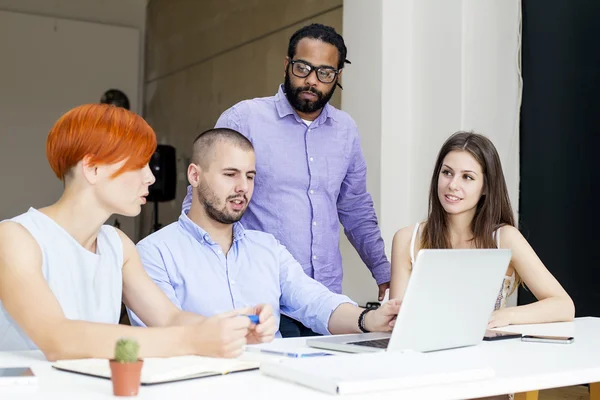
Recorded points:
63,272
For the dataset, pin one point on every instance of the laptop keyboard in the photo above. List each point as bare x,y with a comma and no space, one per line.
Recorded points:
378,343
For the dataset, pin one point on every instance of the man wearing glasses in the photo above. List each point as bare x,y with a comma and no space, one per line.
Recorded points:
311,173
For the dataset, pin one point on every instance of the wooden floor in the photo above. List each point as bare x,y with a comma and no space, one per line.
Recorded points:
571,393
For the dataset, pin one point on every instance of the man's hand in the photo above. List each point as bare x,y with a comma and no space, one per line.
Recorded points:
384,318
264,331
382,288
222,335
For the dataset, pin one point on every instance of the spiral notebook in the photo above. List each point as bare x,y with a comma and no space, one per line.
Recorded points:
162,370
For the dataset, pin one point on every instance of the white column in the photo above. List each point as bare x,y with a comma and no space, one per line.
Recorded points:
421,70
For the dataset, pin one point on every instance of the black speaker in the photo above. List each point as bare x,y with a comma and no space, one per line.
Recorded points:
164,167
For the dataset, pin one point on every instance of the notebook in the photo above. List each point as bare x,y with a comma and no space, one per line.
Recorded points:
374,372
162,370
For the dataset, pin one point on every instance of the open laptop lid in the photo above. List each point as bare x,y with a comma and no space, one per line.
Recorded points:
448,301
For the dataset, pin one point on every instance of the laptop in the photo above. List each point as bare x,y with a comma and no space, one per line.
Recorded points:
449,299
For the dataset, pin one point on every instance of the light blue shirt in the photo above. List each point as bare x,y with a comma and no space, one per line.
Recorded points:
191,269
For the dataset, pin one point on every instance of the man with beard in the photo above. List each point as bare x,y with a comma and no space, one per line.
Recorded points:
207,262
312,173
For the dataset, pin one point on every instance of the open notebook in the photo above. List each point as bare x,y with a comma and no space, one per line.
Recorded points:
162,370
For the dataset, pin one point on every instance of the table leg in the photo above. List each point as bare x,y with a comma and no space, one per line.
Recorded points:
595,391
532,395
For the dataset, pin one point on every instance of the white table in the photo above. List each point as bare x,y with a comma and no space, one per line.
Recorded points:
520,367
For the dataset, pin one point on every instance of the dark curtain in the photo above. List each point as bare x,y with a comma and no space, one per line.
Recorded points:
560,137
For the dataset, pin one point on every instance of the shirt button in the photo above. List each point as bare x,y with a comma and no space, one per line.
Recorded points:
311,159
314,222
219,252
312,191
232,282
314,257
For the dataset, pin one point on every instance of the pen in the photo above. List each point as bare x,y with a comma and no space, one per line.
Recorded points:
253,318
293,355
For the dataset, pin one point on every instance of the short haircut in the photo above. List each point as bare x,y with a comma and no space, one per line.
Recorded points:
321,32
106,133
204,144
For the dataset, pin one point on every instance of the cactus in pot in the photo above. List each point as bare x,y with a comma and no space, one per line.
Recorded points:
126,368
126,350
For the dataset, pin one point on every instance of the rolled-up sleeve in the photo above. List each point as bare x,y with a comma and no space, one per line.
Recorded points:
305,299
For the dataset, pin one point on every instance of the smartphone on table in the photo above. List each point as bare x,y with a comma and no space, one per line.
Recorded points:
548,339
17,377
491,336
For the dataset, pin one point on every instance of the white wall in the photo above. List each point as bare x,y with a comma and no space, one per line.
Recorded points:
50,65
126,13
421,70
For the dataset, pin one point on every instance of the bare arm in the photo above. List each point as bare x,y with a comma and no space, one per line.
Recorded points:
318,308
401,264
344,318
553,305
143,296
42,319
151,288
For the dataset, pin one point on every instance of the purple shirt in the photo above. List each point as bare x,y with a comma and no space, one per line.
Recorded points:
309,178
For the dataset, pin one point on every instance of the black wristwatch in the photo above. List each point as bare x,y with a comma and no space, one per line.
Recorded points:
361,320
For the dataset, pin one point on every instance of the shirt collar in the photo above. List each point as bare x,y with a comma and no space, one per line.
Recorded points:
284,108
201,235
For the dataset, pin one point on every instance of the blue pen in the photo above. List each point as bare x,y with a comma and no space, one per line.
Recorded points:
253,318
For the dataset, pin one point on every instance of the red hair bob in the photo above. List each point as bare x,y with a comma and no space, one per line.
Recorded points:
106,133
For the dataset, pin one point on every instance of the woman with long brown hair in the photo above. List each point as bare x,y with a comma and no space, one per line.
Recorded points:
469,207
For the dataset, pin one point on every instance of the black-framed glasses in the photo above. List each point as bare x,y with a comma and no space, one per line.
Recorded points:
302,69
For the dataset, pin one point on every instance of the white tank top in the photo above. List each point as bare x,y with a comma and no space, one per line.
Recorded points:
507,283
88,286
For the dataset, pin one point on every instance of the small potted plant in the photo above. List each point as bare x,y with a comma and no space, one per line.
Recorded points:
126,368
